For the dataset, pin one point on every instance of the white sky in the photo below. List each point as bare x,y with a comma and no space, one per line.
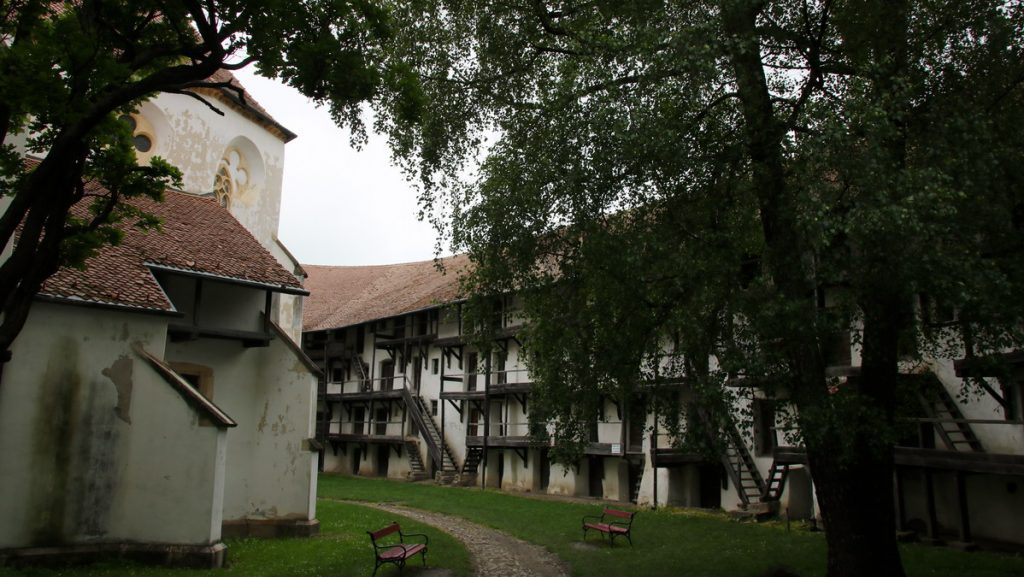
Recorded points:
339,206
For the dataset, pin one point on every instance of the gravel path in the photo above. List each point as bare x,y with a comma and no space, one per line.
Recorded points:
494,553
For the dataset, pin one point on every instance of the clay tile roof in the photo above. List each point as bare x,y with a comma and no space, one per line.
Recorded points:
342,296
197,236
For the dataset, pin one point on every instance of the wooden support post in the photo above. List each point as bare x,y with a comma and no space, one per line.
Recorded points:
373,358
487,414
266,312
197,302
654,458
932,520
440,399
961,497
901,508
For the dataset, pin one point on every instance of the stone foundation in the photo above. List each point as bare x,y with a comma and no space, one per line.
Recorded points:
193,556
270,528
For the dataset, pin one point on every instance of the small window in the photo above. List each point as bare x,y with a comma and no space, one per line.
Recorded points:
142,143
433,407
200,378
435,366
232,177
142,138
337,375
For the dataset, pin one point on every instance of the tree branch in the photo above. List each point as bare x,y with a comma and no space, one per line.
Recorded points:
196,96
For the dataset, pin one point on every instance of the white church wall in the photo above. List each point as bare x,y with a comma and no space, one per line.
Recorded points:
96,446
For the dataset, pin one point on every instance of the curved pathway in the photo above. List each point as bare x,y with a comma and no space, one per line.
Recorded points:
494,553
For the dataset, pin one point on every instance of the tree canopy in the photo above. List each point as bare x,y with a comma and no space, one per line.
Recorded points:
699,179
69,70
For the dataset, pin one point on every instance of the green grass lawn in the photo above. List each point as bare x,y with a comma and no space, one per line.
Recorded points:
341,550
667,542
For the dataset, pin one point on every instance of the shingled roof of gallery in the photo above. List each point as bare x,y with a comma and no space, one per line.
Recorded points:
342,296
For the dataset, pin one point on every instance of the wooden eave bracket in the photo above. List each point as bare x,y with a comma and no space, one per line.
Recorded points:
521,397
522,455
454,351
457,407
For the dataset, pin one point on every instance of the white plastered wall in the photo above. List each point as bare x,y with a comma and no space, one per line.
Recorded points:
271,394
196,143
95,445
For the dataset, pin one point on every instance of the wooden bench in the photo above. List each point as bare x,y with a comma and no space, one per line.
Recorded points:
397,553
611,522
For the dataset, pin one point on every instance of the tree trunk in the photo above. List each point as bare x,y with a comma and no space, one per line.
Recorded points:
852,473
856,501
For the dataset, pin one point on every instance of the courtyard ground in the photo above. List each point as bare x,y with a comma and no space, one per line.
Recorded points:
518,534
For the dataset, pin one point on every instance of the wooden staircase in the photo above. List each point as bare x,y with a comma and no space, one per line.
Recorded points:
634,488
944,412
750,486
439,451
776,482
473,457
417,471
362,371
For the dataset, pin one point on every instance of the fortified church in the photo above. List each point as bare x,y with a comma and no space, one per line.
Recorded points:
157,402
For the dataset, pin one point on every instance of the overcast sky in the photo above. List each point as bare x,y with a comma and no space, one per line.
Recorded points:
340,206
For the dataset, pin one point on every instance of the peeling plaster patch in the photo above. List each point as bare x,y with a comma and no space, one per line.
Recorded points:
263,419
280,427
120,373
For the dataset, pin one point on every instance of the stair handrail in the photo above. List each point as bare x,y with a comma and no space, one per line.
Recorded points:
417,416
939,393
438,450
735,442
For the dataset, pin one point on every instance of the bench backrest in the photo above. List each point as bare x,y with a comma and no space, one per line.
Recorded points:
392,528
621,514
